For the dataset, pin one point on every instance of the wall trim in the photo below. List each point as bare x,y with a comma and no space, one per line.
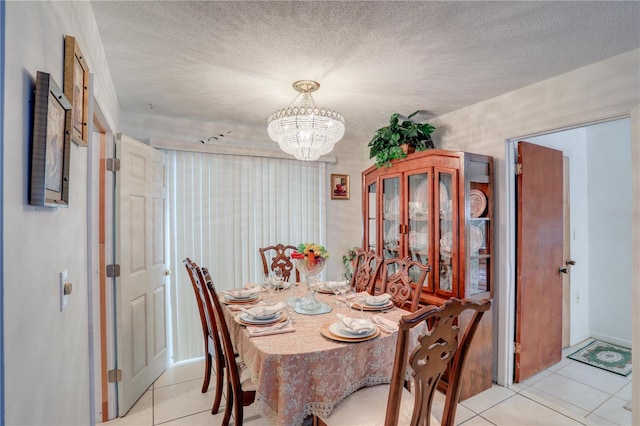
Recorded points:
3,27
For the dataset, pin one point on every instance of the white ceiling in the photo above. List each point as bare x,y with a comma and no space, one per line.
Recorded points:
218,67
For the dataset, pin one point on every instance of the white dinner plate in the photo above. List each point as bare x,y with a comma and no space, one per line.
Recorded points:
253,320
476,239
324,330
339,329
422,193
377,304
265,317
365,307
248,298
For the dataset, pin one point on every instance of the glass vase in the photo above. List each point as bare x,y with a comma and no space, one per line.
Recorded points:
310,269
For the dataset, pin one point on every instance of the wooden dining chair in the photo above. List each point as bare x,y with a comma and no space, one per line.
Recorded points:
438,348
367,266
214,358
397,279
241,391
279,256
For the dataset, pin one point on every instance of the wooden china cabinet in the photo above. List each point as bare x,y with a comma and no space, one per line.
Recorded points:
436,207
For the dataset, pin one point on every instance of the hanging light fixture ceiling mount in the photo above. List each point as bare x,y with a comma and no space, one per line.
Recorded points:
306,86
306,131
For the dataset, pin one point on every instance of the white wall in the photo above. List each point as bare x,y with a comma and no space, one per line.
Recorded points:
610,226
344,217
603,90
46,351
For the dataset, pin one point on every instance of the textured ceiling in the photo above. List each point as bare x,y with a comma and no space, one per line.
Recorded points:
229,65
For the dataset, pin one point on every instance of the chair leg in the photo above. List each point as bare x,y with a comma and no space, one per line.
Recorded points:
207,372
238,413
229,407
219,385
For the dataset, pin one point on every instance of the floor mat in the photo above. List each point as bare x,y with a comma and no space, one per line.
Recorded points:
606,356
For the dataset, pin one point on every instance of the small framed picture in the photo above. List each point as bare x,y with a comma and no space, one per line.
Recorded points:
76,89
51,149
339,187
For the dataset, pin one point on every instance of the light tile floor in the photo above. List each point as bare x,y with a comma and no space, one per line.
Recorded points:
568,393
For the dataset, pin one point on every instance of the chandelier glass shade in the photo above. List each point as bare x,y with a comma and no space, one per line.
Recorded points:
306,131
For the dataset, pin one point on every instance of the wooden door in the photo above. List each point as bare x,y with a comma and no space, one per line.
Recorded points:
539,242
141,222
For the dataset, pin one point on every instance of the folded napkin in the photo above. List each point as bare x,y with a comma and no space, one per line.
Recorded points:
254,286
283,327
245,292
236,307
265,311
356,325
380,299
385,324
330,285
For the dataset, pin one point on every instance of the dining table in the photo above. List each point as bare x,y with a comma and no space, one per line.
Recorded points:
303,372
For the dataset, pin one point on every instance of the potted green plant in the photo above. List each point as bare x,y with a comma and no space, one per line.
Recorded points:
394,141
348,260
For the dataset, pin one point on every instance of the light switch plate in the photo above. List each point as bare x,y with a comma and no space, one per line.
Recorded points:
64,298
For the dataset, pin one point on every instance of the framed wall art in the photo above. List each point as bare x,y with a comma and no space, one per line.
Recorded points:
51,145
339,187
76,89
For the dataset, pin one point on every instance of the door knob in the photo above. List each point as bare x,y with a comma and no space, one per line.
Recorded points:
563,270
570,262
167,272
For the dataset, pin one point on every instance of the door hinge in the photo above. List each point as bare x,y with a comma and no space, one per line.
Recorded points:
516,347
518,168
113,164
114,375
113,270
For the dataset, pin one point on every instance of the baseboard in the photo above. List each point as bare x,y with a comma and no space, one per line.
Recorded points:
612,339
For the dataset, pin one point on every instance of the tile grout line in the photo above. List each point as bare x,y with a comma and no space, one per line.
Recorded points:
586,384
556,411
491,406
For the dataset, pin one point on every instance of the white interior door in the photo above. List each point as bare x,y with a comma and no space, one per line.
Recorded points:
141,220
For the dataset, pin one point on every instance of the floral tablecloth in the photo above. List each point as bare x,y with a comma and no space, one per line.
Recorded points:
305,373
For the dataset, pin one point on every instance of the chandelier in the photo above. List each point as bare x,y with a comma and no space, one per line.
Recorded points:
306,131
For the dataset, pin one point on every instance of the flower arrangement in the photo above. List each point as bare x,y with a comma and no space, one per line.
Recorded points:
311,252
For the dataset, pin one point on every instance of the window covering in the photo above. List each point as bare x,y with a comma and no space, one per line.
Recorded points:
223,209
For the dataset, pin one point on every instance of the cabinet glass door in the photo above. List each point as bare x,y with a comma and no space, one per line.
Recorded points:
479,243
391,217
372,217
446,204
419,220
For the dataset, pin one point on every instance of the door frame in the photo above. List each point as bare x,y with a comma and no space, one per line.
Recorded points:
104,402
506,301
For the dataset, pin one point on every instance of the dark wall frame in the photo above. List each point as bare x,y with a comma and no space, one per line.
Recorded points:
51,144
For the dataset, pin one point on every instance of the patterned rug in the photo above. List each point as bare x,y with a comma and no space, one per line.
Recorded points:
606,356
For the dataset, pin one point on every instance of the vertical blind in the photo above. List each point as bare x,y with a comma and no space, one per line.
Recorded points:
223,209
